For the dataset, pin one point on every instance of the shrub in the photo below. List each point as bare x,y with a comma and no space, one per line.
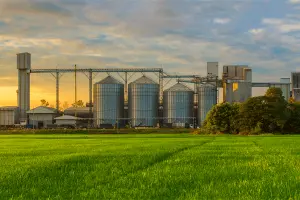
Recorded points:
293,123
222,118
267,113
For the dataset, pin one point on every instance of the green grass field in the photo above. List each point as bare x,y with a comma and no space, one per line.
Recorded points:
158,166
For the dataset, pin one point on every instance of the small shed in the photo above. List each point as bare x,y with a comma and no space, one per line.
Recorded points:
67,120
42,116
9,115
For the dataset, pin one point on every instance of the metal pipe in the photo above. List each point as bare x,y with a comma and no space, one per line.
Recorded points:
97,70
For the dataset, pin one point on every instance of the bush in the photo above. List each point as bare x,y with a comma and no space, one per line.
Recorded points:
222,118
267,113
293,123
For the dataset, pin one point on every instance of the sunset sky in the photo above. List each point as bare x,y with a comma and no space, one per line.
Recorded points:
181,35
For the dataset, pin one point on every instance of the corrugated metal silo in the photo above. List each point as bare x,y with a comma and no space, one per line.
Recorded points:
207,95
143,96
108,102
178,105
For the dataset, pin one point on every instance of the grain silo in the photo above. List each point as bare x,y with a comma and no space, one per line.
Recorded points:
207,98
143,96
178,106
108,102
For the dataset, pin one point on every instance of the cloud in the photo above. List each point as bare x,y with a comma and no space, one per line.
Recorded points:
294,1
11,41
33,7
256,31
221,21
177,34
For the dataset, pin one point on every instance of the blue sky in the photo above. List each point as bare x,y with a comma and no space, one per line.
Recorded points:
181,35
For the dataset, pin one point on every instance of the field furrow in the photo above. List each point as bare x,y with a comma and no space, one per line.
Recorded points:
149,167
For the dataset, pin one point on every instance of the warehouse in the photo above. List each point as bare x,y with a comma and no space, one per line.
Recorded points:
42,116
68,121
9,115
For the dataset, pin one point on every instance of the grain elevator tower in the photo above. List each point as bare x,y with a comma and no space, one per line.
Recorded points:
23,66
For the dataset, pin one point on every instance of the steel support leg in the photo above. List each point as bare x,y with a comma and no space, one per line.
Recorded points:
90,96
57,91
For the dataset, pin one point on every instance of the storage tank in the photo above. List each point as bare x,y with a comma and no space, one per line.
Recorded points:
207,95
178,106
108,103
143,96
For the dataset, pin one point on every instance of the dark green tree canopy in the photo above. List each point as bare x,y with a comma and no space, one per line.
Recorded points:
221,117
274,93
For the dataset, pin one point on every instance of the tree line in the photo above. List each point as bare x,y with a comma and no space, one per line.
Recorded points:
64,106
269,113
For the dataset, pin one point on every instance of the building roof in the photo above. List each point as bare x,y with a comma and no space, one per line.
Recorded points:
179,87
109,80
144,80
42,110
67,117
9,108
80,109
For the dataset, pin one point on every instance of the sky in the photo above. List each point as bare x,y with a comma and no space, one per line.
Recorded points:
180,35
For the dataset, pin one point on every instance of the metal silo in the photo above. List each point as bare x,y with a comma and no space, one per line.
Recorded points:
108,102
143,96
207,95
178,105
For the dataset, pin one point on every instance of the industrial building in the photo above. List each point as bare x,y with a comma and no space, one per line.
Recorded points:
42,116
69,121
144,102
9,116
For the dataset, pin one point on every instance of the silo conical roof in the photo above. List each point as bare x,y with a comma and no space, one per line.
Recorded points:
109,80
144,80
179,87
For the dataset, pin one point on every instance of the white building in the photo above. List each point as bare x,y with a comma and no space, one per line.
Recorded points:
67,120
42,116
9,115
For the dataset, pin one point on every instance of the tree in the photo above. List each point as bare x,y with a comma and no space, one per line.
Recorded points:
253,113
274,92
268,113
65,105
291,100
79,103
222,118
292,125
44,102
